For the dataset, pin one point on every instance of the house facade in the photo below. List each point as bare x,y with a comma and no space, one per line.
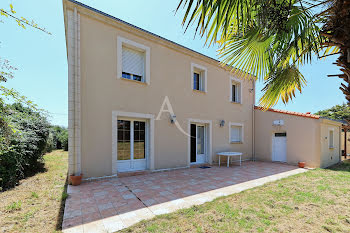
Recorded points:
139,102
123,82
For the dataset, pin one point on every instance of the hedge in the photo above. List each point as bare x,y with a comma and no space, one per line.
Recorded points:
22,150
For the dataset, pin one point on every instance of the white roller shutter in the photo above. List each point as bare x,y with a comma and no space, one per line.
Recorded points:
236,133
133,61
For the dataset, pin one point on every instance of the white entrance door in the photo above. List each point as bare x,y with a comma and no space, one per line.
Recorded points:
279,147
200,156
132,144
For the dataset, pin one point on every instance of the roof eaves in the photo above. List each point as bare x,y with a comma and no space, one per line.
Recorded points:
138,28
299,114
330,119
151,33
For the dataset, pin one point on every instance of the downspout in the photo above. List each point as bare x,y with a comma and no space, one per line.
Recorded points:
340,152
345,140
75,86
253,121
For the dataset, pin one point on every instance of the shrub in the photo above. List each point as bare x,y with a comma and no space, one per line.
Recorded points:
22,152
59,137
63,138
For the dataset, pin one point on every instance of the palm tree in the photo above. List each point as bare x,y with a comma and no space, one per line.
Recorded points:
336,29
270,39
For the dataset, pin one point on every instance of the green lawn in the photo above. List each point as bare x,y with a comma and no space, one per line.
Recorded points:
315,201
36,204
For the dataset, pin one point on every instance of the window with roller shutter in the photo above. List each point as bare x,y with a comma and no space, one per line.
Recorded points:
236,133
133,61
133,64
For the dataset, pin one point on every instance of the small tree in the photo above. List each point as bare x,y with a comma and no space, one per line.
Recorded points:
337,112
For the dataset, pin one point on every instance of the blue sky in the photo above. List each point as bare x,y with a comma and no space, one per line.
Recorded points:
42,63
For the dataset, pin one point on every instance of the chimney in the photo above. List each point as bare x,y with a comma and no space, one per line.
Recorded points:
308,113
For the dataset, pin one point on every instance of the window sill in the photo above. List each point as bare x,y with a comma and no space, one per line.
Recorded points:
134,81
236,142
331,148
198,91
238,103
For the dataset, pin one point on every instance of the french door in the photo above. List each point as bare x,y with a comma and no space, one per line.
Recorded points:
198,143
132,145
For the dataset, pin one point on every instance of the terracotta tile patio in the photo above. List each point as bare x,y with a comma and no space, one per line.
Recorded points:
113,204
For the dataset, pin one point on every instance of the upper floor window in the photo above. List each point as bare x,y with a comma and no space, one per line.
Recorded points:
133,66
133,60
236,90
199,78
197,81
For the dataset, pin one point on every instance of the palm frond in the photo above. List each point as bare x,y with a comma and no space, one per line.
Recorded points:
249,53
282,84
267,47
217,18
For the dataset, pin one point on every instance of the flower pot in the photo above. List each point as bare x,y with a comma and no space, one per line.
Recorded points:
76,180
301,164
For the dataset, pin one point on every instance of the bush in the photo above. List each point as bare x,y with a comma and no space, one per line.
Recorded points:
59,137
50,145
22,152
63,138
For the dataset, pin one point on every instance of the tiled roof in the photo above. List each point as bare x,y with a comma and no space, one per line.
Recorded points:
308,114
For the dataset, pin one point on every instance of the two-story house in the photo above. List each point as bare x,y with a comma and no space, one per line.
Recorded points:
140,102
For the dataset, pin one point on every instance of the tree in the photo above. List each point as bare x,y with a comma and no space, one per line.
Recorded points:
23,130
336,29
21,21
6,73
271,39
6,70
337,112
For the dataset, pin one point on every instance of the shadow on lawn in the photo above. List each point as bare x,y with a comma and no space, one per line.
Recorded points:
60,214
37,168
342,166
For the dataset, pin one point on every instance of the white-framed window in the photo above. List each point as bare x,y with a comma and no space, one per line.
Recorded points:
198,77
133,60
236,133
235,90
331,138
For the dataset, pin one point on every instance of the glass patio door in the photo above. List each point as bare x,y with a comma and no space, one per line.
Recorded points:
200,144
131,149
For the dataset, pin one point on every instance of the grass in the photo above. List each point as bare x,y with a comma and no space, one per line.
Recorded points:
315,201
36,204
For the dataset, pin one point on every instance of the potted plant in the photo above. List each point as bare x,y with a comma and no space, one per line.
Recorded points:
76,179
301,164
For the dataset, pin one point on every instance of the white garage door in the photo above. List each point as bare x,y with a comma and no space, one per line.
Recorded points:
279,147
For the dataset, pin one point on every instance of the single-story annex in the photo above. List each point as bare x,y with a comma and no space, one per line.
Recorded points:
139,102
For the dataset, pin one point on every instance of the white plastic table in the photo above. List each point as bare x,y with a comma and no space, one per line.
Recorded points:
228,155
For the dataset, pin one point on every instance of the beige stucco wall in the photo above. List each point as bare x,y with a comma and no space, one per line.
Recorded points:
330,156
303,137
102,93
